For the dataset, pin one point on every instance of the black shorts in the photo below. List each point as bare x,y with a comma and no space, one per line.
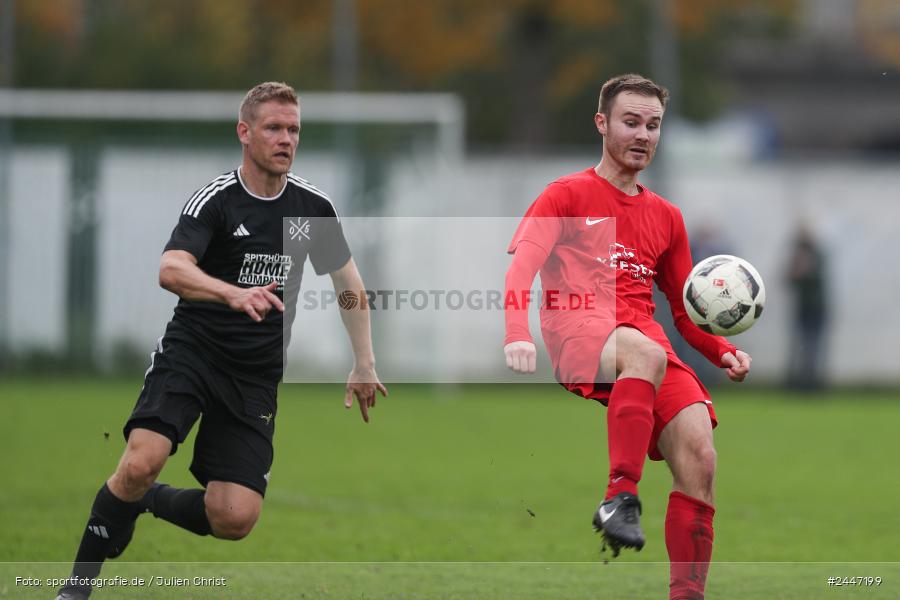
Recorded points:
234,440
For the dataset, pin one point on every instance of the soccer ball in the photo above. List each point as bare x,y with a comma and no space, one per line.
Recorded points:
724,295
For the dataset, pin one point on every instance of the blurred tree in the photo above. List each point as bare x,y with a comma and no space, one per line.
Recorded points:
171,44
530,70
879,24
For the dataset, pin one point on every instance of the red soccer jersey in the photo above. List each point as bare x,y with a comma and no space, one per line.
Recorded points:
645,242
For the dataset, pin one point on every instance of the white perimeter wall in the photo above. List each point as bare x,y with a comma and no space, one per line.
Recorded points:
855,207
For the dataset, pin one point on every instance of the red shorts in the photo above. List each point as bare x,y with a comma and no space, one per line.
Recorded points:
680,388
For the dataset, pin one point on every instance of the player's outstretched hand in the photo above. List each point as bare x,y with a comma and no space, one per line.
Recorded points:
256,301
363,383
737,365
521,357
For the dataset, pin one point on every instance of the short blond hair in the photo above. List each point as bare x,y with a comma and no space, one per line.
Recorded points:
265,92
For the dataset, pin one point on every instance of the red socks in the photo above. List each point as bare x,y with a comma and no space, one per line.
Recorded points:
689,540
689,521
629,419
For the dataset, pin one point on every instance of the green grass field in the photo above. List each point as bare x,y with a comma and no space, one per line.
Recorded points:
432,499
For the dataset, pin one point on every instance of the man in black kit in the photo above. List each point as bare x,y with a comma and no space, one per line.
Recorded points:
222,352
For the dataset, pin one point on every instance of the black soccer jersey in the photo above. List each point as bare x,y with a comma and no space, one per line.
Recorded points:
250,241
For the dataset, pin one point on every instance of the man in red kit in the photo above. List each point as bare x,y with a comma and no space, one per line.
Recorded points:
611,350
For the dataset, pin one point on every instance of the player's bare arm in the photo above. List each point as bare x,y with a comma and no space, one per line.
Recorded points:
179,273
736,365
363,382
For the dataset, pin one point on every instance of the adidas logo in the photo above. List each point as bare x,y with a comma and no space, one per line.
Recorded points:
725,293
241,231
99,531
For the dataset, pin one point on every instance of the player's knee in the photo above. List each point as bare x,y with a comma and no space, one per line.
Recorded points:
705,464
230,522
707,458
653,359
232,526
139,473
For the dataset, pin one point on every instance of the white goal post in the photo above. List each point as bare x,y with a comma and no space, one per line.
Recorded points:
445,111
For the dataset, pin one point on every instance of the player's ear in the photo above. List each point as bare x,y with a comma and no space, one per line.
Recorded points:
243,132
600,122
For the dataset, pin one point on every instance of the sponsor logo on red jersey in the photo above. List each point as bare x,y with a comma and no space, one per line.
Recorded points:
622,258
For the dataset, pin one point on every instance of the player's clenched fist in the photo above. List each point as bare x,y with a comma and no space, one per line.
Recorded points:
736,365
521,357
256,301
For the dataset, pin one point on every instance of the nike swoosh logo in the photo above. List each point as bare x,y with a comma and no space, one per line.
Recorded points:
588,221
606,516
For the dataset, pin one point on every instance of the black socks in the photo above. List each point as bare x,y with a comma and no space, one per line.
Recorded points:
182,507
109,518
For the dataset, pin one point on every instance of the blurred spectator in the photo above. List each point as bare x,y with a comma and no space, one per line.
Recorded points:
807,275
706,241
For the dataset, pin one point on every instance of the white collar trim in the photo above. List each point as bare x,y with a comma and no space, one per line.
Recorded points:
267,199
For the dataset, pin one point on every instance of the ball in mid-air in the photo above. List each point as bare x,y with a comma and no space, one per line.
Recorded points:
724,295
